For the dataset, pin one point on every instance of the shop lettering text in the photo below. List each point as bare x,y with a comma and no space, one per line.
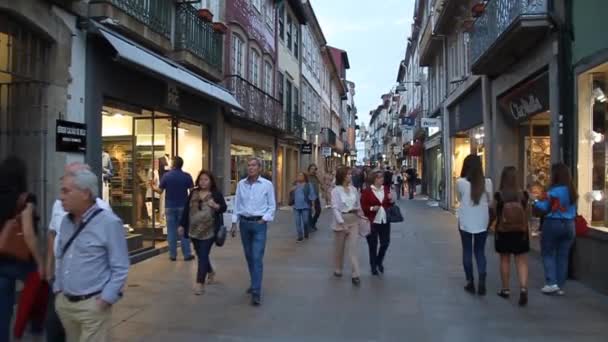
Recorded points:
71,131
526,107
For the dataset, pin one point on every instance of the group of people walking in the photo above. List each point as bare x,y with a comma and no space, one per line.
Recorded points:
506,213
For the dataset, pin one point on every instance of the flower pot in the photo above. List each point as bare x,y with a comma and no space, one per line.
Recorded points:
478,9
205,15
220,28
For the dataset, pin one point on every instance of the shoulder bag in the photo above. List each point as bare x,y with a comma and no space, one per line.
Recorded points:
12,240
393,214
220,231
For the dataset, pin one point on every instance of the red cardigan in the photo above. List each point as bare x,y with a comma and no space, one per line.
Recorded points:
369,200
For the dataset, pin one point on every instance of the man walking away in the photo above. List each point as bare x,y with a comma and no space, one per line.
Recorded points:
177,183
254,207
315,182
388,177
411,182
92,261
398,183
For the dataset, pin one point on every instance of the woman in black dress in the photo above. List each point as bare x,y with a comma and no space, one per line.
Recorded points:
512,236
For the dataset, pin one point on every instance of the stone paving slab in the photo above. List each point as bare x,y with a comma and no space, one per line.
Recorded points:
419,299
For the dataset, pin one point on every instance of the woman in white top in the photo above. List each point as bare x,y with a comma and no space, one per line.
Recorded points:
346,209
474,195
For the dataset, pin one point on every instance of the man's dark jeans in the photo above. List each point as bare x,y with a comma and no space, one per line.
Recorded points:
317,212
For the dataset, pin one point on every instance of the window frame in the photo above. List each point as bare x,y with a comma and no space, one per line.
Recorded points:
268,76
281,17
238,67
254,67
289,32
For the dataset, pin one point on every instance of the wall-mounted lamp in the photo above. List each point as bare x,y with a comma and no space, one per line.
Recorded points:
595,137
599,95
594,196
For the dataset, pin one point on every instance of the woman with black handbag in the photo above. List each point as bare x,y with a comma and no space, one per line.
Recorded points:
375,202
201,222
19,254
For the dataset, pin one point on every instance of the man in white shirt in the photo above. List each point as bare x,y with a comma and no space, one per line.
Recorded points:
54,328
254,207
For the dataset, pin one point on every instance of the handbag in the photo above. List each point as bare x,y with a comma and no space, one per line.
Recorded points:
12,240
220,232
393,214
581,225
365,227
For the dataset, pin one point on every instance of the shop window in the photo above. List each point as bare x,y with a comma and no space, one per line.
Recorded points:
254,68
239,157
237,55
592,146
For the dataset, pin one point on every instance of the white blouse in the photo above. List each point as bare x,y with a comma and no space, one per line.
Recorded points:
343,202
473,218
381,214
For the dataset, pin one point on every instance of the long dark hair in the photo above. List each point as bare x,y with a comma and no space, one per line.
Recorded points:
341,174
561,176
212,181
509,184
472,170
13,182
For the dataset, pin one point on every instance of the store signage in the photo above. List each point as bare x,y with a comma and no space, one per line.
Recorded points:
431,123
408,121
326,151
172,96
70,136
306,148
528,99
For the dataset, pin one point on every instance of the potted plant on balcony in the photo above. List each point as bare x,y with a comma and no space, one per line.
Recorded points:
205,15
478,9
220,28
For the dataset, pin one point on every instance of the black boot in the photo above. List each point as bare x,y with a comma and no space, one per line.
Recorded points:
470,287
481,289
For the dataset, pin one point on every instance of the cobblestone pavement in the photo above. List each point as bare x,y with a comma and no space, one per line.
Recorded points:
420,298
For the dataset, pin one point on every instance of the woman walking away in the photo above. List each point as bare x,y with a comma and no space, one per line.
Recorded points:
346,208
16,208
302,197
375,200
512,236
557,237
473,192
203,215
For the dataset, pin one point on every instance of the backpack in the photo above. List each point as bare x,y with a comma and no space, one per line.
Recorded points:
513,217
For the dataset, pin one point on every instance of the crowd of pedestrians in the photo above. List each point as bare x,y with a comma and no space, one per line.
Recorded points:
87,262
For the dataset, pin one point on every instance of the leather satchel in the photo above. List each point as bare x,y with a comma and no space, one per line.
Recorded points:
12,240
393,214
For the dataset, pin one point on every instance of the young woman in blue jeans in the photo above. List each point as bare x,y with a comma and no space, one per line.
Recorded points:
473,191
558,230
304,197
201,216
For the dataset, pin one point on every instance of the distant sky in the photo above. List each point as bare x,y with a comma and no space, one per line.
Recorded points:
374,33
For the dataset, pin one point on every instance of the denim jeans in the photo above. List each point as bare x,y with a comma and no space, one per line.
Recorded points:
10,272
473,244
253,237
556,240
174,216
202,249
301,216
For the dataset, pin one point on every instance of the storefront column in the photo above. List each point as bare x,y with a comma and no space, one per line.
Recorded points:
220,151
557,152
486,106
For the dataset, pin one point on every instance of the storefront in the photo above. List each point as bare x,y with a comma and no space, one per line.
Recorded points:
467,135
526,108
141,111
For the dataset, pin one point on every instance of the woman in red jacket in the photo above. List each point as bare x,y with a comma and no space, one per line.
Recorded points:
375,199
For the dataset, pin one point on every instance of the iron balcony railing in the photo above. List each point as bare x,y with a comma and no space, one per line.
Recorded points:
197,36
258,106
294,124
154,13
496,20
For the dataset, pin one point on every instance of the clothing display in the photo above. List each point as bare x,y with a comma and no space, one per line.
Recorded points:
163,165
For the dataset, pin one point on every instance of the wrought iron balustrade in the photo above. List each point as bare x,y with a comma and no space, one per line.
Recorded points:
197,36
154,13
258,106
498,17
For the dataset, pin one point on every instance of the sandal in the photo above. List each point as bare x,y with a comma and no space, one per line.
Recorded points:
504,293
523,297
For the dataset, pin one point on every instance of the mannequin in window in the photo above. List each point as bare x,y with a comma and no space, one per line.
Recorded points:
152,197
107,173
163,165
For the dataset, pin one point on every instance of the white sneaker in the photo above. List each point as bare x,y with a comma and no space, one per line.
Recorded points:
550,289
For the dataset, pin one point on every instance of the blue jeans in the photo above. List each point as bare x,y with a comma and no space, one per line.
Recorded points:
202,249
473,244
9,273
253,237
302,217
556,240
174,216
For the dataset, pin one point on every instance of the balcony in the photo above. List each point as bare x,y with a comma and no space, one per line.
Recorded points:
506,32
259,107
196,44
294,126
148,21
430,44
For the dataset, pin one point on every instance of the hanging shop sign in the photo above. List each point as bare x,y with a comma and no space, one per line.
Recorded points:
408,121
431,123
326,151
306,149
527,99
70,136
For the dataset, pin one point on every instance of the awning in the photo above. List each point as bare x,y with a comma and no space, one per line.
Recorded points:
133,53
